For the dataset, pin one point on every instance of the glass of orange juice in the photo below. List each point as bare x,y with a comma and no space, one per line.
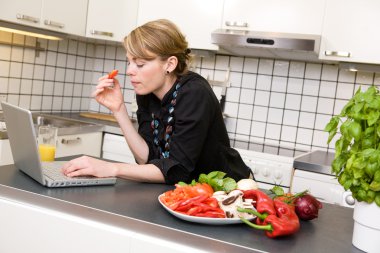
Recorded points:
47,142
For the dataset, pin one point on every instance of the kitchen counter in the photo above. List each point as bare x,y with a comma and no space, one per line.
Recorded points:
105,126
134,206
317,161
108,126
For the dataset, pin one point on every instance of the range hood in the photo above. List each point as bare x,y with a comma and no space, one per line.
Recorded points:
267,44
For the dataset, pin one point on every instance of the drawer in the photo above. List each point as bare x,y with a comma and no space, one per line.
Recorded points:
86,144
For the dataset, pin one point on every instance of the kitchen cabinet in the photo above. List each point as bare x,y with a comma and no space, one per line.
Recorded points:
115,148
67,16
22,12
291,16
111,20
5,152
196,19
86,144
349,31
67,145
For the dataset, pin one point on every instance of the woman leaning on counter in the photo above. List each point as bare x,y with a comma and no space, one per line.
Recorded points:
181,131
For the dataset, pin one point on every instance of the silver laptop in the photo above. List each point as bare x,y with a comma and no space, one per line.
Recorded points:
23,142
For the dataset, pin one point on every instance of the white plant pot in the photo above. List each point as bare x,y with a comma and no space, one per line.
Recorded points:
366,234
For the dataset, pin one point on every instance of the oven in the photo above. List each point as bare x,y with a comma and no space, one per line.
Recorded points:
269,169
312,171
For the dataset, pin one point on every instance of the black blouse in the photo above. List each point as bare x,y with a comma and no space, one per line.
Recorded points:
199,142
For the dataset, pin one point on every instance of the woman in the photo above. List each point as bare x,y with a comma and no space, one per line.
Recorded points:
181,131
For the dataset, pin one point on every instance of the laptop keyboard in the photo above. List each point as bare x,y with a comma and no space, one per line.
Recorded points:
53,171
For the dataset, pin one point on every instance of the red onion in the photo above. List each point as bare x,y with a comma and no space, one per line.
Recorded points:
307,207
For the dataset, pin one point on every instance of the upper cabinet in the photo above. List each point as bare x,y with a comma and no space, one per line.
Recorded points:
67,16
291,16
350,31
22,12
112,19
196,19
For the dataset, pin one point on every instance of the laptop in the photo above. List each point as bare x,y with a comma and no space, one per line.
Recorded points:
23,142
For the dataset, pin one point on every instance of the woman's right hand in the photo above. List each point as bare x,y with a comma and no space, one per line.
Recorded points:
108,93
89,166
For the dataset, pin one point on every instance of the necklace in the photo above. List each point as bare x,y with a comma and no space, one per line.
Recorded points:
163,144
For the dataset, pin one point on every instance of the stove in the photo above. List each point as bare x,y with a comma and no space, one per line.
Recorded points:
269,169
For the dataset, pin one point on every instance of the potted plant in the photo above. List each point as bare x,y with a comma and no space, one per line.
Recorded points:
357,161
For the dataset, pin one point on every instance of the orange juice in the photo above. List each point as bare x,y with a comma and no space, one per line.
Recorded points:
47,152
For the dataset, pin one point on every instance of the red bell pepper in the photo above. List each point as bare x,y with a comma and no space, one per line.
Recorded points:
193,200
284,222
212,214
188,203
263,205
113,73
201,206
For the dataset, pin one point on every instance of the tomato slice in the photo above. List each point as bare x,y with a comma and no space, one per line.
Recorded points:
113,73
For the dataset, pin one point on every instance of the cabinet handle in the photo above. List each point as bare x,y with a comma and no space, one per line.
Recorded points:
236,24
94,32
71,141
27,18
337,53
54,24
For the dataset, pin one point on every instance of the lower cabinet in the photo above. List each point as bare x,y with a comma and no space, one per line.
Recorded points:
68,145
115,148
5,153
86,144
87,230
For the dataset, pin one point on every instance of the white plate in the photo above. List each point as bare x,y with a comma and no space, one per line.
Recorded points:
203,220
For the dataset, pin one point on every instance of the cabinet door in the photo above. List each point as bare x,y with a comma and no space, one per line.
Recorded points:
112,19
350,31
5,153
196,18
86,144
116,148
289,16
23,12
67,16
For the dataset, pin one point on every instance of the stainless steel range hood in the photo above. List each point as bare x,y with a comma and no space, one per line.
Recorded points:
267,44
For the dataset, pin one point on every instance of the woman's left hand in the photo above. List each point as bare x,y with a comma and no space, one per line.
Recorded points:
88,166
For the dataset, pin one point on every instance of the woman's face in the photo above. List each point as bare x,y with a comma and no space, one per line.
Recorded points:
147,76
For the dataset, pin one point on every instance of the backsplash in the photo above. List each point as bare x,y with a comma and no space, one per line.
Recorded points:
282,107
59,79
272,106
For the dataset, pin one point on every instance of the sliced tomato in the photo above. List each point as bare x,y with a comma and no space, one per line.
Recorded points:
113,73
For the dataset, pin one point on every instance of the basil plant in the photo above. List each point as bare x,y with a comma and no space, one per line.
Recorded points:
357,151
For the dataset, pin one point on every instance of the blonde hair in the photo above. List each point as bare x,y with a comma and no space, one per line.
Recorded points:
159,38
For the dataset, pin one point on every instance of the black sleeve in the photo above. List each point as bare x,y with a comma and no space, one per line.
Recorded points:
193,114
